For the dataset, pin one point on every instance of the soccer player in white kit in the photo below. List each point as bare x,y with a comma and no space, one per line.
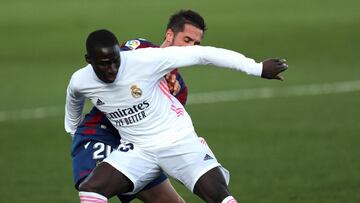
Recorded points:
157,133
95,136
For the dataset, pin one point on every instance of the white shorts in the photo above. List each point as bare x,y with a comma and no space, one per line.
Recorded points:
185,160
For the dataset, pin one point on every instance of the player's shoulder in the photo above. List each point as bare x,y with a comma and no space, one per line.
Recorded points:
82,72
81,75
137,43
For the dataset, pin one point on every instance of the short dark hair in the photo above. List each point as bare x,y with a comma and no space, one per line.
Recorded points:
179,19
100,38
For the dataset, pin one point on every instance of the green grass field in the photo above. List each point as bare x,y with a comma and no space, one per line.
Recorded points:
281,148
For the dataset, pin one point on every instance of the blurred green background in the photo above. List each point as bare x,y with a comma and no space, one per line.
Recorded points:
290,146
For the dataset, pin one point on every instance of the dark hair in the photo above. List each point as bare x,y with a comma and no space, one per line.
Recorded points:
100,38
179,19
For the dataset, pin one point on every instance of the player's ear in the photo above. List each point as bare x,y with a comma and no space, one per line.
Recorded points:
87,59
169,35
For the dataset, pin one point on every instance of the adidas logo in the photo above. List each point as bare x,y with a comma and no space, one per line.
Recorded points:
99,102
207,157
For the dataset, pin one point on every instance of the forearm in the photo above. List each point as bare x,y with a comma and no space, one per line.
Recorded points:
199,55
73,112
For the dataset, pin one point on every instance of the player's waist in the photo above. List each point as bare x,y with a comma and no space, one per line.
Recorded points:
156,139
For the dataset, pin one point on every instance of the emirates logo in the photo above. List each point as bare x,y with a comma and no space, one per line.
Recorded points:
136,92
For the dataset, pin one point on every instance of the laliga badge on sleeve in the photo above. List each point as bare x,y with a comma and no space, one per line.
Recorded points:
133,44
136,92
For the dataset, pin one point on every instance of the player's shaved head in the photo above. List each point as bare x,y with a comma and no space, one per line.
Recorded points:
100,39
179,19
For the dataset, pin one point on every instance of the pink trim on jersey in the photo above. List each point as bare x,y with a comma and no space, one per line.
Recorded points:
202,140
85,199
164,84
165,89
178,111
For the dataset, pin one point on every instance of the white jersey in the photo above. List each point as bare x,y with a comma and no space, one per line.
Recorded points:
138,102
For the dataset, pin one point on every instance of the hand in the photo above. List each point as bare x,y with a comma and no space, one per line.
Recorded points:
173,84
273,67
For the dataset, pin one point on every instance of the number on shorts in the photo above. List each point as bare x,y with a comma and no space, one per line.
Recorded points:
127,147
101,151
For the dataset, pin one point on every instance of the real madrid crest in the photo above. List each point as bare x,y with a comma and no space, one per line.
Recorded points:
136,92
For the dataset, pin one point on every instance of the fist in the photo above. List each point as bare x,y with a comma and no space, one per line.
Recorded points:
273,67
173,84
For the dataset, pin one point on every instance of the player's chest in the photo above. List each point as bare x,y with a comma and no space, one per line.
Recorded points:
124,95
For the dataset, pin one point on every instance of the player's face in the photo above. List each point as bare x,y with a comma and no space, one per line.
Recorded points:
191,35
105,62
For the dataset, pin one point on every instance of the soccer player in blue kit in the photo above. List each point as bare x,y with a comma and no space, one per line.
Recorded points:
95,136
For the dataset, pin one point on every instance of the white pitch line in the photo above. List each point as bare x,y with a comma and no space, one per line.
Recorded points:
267,92
210,97
31,113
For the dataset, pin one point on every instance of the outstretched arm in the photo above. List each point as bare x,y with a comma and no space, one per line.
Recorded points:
165,59
205,55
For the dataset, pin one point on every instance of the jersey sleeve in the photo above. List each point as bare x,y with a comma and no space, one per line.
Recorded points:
165,59
206,55
73,108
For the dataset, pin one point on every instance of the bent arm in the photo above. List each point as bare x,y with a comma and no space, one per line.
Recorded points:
73,109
